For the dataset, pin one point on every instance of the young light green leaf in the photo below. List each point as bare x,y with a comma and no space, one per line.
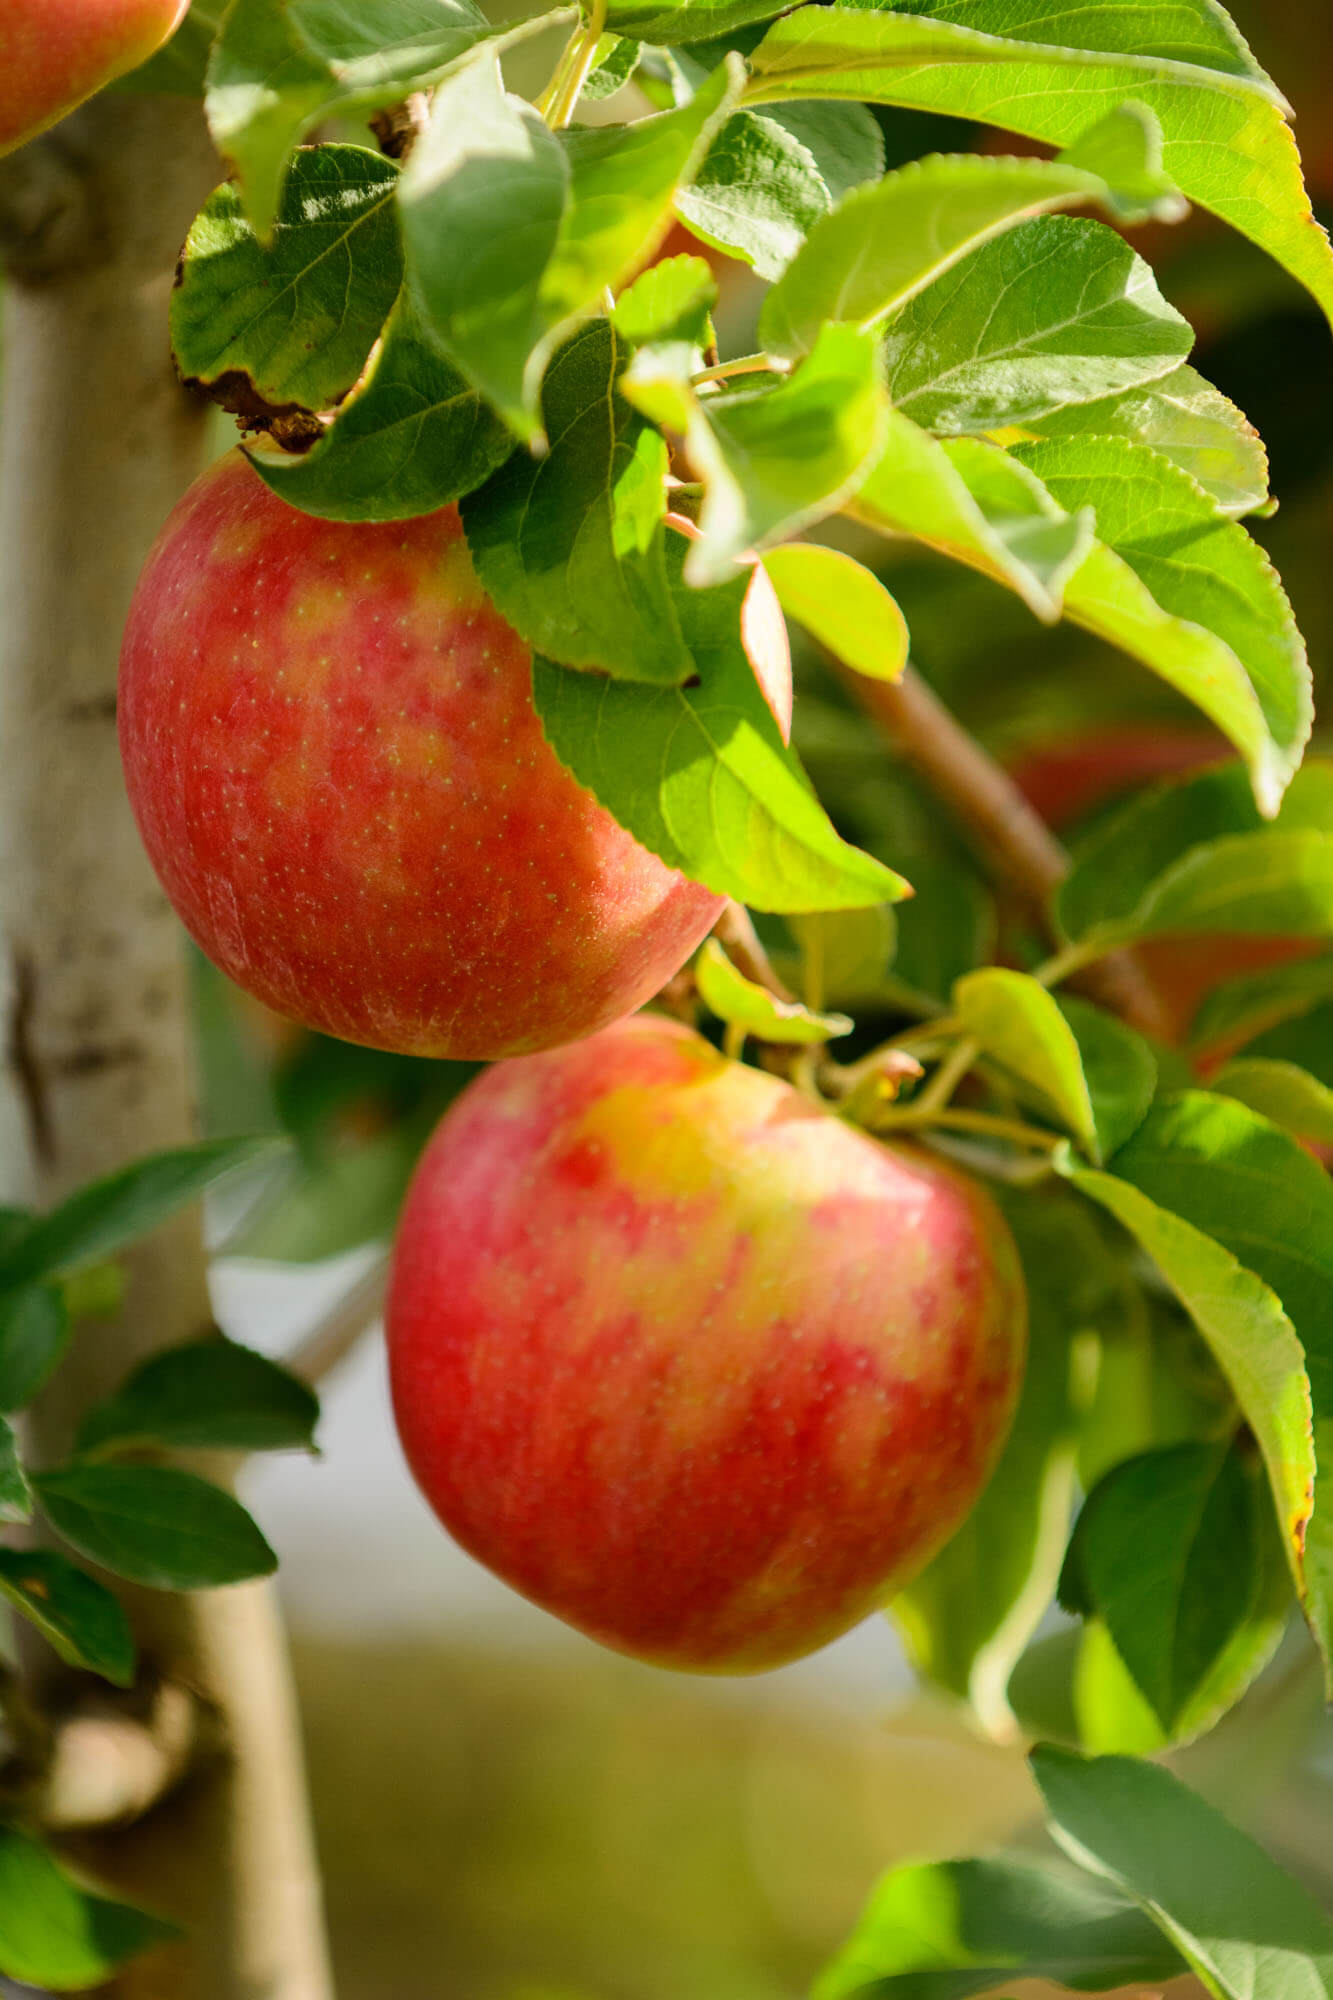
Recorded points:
773,460
1019,1024
290,322
154,1524
79,1617
740,1002
108,1214
947,1929
1283,1093
1022,540
1258,1001
1054,312
1185,419
701,774
15,1492
571,547
670,301
969,1614
884,244
277,72
55,1934
411,437
34,1332
1243,1925
769,177
843,605
594,203
1226,143
1199,568
1172,1550
1252,1339
210,1395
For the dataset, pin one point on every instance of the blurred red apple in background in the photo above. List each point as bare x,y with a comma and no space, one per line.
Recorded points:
55,53
332,751
688,1361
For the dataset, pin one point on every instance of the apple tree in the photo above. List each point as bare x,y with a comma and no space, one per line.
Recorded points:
599,374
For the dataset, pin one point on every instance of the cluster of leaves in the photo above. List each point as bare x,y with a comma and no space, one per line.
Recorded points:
115,1501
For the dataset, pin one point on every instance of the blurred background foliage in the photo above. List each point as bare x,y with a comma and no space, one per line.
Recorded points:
504,1812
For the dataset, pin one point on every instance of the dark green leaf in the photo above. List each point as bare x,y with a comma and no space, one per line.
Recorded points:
1226,141
15,1493
109,1214
154,1524
884,244
1282,1092
773,460
1054,312
612,69
845,954
291,322
1244,1926
952,1928
702,776
1258,1001
1145,837
1119,1069
57,1935
34,1330
687,20
571,547
211,1396
411,437
74,1613
946,929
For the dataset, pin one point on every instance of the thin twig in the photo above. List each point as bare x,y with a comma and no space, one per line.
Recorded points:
1012,840
745,364
736,933
319,1352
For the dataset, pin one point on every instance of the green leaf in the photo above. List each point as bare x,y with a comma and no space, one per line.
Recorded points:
1245,1007
411,437
884,244
1018,535
108,1214
210,1395
513,232
572,547
1283,1093
1144,838
670,301
34,1332
843,605
1198,567
1270,884
686,21
1185,419
1019,1023
740,1002
57,1935
773,460
1260,1195
154,1524
1252,1339
946,929
768,178
845,954
1110,1712
969,1614
950,1928
701,775
1172,1550
277,72
291,322
1119,1068
1054,312
15,1493
78,1616
614,63
1242,1924
1226,143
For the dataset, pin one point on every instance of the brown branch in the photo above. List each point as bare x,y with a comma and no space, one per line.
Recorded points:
735,931
333,1338
1012,841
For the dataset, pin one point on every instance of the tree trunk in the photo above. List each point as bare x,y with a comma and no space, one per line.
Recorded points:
97,442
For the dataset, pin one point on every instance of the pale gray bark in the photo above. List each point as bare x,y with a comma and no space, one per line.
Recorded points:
97,442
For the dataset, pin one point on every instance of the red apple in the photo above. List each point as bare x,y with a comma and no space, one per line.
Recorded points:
54,53
688,1361
332,751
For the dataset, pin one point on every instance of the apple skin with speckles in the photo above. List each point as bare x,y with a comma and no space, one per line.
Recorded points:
687,1360
56,53
332,752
